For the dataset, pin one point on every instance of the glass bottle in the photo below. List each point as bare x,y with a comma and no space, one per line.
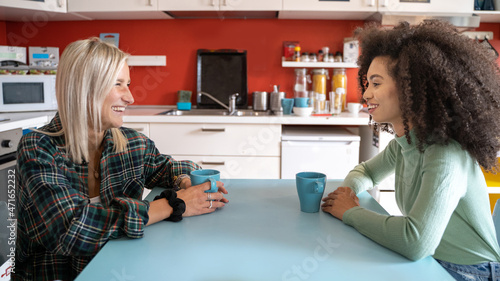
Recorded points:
319,85
304,57
301,80
296,53
340,81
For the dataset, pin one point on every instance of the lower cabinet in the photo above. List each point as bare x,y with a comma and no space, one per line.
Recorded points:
139,127
239,151
236,167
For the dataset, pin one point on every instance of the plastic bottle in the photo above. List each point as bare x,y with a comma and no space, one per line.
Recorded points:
340,81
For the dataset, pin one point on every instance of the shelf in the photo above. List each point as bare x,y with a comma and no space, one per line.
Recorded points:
147,60
488,16
299,64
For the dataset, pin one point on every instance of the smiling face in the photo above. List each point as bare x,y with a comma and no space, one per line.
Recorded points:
381,95
117,100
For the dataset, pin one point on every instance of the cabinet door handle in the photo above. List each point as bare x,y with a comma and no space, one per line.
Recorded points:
213,3
385,3
59,3
149,3
213,129
222,163
224,2
371,3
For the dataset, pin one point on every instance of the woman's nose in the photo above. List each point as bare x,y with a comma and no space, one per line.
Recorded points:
128,98
367,94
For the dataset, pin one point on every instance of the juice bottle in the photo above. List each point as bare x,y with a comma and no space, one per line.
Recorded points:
340,81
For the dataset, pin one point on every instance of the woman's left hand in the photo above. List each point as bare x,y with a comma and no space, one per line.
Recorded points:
339,201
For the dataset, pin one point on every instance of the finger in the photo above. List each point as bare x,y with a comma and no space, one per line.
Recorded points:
204,186
221,187
211,206
217,204
219,196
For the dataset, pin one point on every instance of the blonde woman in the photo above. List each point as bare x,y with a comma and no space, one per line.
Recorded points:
82,176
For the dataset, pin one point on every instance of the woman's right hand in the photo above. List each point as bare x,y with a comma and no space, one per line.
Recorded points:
197,201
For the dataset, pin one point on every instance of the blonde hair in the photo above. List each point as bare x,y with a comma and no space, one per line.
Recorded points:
87,71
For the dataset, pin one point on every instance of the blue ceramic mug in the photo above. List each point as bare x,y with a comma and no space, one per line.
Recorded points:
200,176
301,102
287,105
310,187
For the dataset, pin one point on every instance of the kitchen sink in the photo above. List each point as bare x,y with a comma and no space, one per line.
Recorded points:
214,112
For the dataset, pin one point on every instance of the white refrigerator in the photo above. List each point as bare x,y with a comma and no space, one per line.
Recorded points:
333,151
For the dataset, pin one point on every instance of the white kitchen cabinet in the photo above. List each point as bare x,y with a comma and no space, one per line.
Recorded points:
235,167
139,127
330,6
46,5
237,150
116,9
455,6
329,10
365,9
112,5
211,5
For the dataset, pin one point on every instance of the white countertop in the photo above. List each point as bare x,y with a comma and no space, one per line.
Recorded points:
148,114
24,120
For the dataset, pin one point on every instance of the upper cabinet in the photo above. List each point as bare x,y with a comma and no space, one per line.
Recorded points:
116,9
365,9
330,6
419,6
316,9
228,5
112,5
44,5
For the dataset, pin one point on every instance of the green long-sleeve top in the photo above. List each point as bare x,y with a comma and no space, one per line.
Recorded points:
443,197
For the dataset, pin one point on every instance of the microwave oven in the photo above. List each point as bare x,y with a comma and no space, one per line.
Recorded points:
27,93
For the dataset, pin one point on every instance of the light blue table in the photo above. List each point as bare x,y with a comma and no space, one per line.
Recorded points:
259,235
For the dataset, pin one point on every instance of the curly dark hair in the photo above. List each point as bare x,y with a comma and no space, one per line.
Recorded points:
449,85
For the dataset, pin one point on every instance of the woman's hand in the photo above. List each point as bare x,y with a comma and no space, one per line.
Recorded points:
198,202
185,183
339,201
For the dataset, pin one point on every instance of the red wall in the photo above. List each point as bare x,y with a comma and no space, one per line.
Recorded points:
179,40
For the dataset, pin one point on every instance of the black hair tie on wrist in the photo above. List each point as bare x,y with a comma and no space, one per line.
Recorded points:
176,203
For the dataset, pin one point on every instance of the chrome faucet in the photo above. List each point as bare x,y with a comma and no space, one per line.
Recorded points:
232,101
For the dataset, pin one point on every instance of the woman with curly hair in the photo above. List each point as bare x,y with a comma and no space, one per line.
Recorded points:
439,92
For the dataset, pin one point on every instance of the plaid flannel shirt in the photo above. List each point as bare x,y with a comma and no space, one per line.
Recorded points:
59,231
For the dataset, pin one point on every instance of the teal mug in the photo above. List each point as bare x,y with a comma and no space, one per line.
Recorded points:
310,187
301,102
287,105
200,176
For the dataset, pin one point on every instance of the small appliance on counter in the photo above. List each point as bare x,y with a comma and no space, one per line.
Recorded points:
13,60
222,73
27,93
43,60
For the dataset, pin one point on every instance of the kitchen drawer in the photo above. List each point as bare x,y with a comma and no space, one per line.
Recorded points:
235,167
217,139
139,127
